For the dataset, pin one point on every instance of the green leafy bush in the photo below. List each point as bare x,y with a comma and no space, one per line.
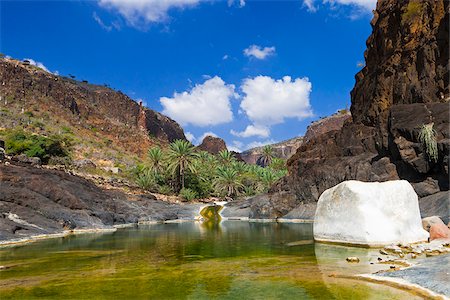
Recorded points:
427,136
147,180
188,194
165,190
32,145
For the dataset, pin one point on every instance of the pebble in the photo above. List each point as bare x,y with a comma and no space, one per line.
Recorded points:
353,259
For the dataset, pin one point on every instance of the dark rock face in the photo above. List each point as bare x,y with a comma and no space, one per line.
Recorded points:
335,157
282,150
407,59
162,127
268,206
405,149
331,123
39,201
212,145
85,106
436,205
403,87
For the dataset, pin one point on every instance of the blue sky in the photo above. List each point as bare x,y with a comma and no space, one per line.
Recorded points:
251,72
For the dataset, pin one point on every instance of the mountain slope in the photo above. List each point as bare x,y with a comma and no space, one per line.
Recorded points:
99,116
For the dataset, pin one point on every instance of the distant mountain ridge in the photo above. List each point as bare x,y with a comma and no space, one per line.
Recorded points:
284,150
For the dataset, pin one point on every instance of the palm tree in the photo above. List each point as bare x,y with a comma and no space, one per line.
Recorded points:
268,178
181,156
278,164
266,155
240,167
227,180
156,159
226,157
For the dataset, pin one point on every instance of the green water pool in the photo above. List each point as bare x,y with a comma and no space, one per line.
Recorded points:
233,260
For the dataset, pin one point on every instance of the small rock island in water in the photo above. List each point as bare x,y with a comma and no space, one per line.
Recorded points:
225,157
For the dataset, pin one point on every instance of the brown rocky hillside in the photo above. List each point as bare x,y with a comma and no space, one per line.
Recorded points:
98,116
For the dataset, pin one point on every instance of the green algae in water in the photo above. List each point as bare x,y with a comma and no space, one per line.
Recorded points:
233,260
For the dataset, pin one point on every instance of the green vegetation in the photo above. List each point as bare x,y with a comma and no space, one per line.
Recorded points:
192,174
181,156
188,194
267,155
427,136
32,145
412,11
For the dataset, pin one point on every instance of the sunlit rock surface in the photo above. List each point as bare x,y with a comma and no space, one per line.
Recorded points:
370,214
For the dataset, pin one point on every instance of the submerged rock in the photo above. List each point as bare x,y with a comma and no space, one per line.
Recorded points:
370,214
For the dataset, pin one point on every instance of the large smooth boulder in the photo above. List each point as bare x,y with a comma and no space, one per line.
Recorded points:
369,214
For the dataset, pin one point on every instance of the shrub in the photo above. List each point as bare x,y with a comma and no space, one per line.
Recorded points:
427,136
21,142
147,180
165,190
188,194
413,10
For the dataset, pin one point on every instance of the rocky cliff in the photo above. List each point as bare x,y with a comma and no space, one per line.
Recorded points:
406,59
212,145
403,86
94,110
284,150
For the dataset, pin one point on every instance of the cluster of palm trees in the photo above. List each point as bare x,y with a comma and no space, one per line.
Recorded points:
183,170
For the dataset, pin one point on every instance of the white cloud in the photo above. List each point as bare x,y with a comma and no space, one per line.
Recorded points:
37,64
235,146
252,130
367,5
205,104
142,12
310,5
208,133
260,144
268,101
240,3
259,52
189,136
100,22
225,57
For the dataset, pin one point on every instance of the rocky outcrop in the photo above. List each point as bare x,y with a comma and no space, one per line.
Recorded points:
436,205
95,110
212,145
369,214
331,123
282,150
381,141
41,201
407,59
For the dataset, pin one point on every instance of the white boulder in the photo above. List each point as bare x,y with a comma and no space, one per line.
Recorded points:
369,214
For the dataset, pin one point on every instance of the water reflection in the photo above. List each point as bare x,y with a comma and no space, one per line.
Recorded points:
230,260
